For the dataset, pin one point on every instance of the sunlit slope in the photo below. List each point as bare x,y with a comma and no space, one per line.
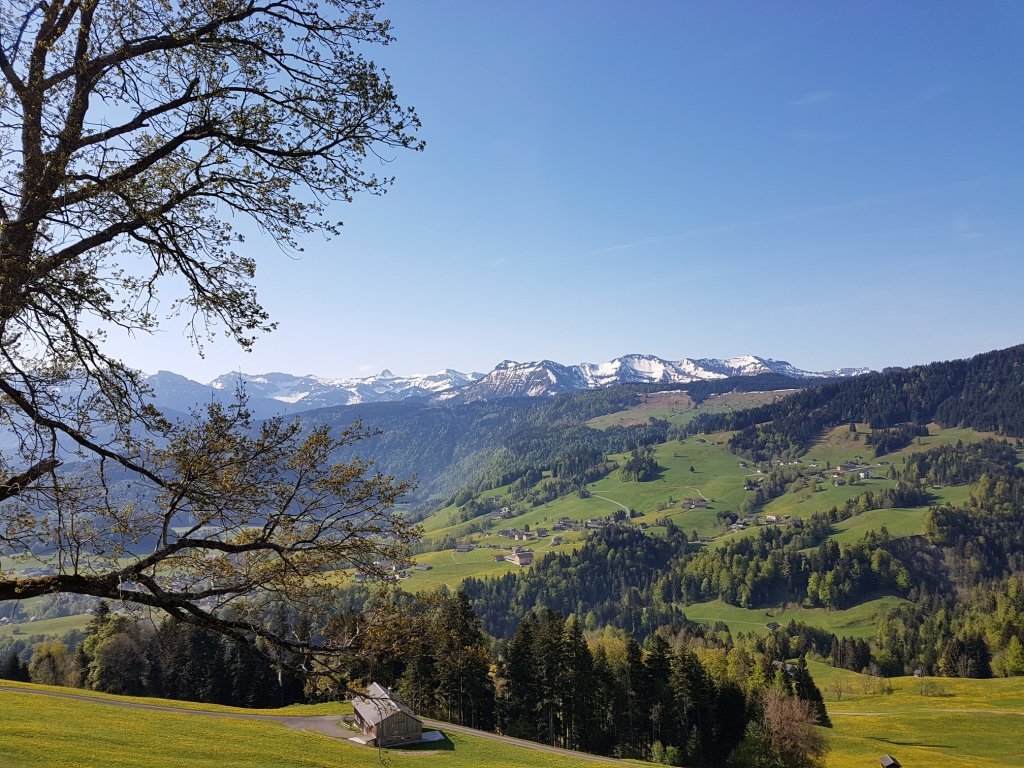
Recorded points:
37,730
934,722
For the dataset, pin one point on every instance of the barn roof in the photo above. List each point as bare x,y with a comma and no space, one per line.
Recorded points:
379,704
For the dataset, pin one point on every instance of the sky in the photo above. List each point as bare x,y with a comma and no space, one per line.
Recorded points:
832,184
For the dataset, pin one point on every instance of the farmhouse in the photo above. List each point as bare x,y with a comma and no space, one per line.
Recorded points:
521,558
695,503
383,720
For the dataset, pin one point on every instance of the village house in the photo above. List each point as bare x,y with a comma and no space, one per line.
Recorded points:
384,720
695,503
771,519
556,540
521,558
464,547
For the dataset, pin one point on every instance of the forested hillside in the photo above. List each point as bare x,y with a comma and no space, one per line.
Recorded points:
485,444
983,392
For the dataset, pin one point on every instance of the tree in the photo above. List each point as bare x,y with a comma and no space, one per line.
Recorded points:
51,664
131,132
785,736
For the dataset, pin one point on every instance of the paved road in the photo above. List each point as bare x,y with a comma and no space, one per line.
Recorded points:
323,724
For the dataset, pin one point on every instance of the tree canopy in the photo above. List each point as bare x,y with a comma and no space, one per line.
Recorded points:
131,133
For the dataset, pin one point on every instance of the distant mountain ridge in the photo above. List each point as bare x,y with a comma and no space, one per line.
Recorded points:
288,393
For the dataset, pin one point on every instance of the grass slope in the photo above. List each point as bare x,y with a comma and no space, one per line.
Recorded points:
933,722
677,407
48,627
858,621
65,733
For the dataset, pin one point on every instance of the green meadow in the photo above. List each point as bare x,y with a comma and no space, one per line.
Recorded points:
858,621
48,627
926,722
38,730
934,722
677,407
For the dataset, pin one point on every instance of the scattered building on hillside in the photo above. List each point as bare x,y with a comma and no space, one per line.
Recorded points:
464,547
384,720
695,503
771,626
866,474
521,558
556,540
888,761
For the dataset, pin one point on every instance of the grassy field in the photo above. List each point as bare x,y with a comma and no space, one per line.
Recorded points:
677,407
48,627
933,722
858,621
38,731
840,445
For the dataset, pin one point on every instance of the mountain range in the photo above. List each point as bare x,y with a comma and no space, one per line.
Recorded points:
287,393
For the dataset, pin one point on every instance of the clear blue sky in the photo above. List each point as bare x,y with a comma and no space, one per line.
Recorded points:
835,184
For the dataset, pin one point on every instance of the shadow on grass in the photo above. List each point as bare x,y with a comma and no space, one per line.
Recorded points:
912,743
444,745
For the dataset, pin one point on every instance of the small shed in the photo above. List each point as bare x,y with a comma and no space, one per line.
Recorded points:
888,761
384,720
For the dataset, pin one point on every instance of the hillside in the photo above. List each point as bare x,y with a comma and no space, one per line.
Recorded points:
940,723
41,730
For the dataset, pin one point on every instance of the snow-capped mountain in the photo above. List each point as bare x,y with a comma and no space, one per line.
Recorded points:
317,392
283,392
512,379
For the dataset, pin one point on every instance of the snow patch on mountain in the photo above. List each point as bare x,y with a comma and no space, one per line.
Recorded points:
284,392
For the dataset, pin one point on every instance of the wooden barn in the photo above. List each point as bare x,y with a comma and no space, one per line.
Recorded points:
384,720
